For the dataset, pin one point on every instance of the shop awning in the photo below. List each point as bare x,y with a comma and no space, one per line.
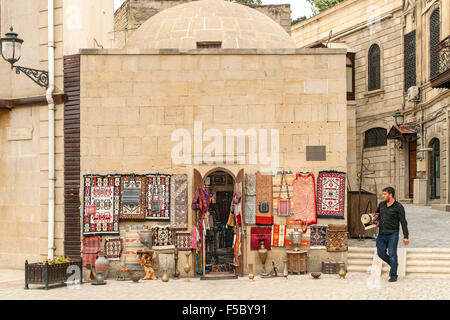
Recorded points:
397,132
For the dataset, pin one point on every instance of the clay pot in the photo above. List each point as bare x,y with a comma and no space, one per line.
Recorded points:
342,271
251,276
102,264
165,277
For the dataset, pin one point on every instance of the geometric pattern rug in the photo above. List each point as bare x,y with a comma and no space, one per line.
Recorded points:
113,248
183,240
158,197
330,194
179,202
318,236
131,212
305,198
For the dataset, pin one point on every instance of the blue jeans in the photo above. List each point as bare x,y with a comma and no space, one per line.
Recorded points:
390,242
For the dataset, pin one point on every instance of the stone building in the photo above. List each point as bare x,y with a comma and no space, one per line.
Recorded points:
393,65
133,13
119,109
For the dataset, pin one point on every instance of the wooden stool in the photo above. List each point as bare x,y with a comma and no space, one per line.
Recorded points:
296,261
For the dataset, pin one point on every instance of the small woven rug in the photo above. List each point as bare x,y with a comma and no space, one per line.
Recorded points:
183,240
337,238
132,246
283,194
318,236
163,237
278,235
113,248
104,193
179,202
292,224
90,249
129,212
264,194
250,184
305,198
250,210
158,197
258,233
330,194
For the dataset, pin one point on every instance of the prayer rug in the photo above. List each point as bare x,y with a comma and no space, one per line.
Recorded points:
132,246
337,238
292,224
250,210
179,202
264,198
163,237
130,212
183,240
250,184
318,236
158,197
104,193
283,193
113,248
305,198
258,233
278,235
330,194
91,247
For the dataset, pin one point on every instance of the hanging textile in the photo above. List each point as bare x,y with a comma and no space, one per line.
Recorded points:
158,197
264,199
278,235
132,245
330,194
282,192
250,184
260,233
104,193
318,236
250,210
162,237
113,248
183,240
179,202
90,250
133,212
291,225
305,198
337,238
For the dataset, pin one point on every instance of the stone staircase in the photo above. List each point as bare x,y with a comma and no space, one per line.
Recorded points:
413,262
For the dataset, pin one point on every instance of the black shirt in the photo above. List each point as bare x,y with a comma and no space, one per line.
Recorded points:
391,217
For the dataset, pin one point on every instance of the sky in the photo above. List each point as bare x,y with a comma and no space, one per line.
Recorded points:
299,7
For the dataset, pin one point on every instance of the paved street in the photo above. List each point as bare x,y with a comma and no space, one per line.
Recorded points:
355,286
428,228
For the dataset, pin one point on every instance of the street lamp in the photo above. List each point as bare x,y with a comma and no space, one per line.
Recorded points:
399,118
11,47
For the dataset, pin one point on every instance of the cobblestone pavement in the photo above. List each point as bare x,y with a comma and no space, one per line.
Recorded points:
428,228
298,287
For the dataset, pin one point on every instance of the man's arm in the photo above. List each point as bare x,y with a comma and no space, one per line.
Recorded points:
402,218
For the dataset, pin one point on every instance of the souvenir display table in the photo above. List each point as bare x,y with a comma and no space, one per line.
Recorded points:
296,261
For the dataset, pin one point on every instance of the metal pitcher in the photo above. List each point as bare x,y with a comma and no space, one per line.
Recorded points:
296,238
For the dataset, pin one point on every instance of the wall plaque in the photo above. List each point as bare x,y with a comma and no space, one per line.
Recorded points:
14,134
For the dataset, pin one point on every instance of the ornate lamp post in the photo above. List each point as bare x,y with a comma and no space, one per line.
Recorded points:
11,47
399,118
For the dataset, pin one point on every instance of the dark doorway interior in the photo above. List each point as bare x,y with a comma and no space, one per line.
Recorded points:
412,166
435,168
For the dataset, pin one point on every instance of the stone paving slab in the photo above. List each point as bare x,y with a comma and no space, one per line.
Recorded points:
296,287
428,228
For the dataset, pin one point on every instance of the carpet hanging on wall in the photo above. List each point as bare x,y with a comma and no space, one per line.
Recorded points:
260,233
179,202
283,191
305,198
90,250
103,192
250,210
318,236
291,225
158,197
132,246
278,235
330,194
163,237
183,240
264,205
113,248
134,212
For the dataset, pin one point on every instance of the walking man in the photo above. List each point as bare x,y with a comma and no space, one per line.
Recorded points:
391,215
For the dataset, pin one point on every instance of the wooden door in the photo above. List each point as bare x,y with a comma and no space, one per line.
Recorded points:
412,166
240,267
197,183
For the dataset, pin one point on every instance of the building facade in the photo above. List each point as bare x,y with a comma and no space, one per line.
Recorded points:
392,65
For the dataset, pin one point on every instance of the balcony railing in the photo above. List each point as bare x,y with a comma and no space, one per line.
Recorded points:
442,80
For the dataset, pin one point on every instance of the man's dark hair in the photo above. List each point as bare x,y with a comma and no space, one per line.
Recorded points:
390,190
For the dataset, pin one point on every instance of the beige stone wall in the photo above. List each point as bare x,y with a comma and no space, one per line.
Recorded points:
127,122
133,13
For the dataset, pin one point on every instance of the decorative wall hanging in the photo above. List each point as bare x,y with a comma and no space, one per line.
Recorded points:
179,202
163,237
305,198
264,199
250,184
258,233
337,238
104,193
292,224
278,235
91,247
113,248
318,236
330,194
129,211
132,246
158,197
183,240
282,193
250,210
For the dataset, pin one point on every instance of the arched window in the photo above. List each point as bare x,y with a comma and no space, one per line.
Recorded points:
435,169
375,137
374,68
434,41
350,76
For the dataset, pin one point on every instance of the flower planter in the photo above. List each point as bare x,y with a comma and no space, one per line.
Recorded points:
45,274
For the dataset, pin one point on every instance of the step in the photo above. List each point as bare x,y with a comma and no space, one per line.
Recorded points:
359,255
431,263
428,256
363,269
428,276
430,270
359,262
359,249
428,250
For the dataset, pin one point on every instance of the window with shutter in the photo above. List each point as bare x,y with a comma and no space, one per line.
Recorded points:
409,59
374,68
434,41
375,137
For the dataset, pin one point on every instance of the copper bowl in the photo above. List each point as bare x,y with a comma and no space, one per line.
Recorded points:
316,275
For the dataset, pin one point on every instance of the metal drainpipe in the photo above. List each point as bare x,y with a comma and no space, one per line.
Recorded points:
51,131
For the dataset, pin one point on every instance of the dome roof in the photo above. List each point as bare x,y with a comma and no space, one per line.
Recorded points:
236,26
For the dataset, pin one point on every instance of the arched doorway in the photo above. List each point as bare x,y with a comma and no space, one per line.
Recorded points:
435,169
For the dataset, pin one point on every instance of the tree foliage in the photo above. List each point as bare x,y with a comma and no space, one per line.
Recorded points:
318,6
297,20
